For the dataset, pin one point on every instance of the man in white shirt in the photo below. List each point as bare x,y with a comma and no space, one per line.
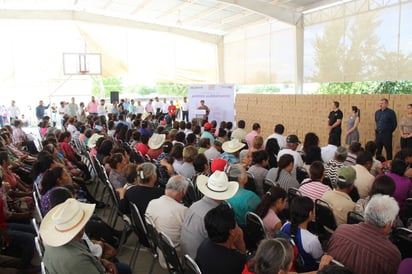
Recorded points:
364,180
63,110
292,143
139,108
14,112
165,107
240,132
101,110
158,106
278,131
328,152
167,212
185,110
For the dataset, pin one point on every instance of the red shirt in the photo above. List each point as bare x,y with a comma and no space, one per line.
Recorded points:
142,148
172,110
3,223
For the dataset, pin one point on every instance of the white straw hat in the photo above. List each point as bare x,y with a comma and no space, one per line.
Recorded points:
156,140
64,221
217,186
232,146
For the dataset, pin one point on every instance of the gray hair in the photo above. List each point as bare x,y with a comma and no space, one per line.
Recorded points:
177,183
380,210
341,153
243,154
145,171
235,172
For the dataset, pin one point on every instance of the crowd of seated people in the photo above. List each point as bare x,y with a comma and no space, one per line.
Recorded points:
153,162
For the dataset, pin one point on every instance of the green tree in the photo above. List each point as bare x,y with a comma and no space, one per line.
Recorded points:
329,53
102,86
385,87
362,47
172,89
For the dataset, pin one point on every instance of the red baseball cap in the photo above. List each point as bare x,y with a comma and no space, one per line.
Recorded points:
207,126
218,164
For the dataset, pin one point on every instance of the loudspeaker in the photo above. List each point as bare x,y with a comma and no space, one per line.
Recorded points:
114,96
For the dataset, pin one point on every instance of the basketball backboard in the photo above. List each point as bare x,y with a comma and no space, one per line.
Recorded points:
82,64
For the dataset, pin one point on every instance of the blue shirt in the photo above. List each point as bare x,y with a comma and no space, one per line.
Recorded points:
385,120
243,201
230,158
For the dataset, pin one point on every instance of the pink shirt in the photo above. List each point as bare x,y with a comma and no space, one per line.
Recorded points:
92,107
270,220
250,136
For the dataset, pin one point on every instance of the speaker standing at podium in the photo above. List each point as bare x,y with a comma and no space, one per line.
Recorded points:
206,108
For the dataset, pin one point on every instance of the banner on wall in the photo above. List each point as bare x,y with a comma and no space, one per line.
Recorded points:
220,99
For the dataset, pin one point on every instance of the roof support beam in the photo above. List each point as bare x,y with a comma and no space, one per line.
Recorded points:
104,19
264,8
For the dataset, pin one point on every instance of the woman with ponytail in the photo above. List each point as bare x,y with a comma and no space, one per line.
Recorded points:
352,133
310,249
273,202
282,175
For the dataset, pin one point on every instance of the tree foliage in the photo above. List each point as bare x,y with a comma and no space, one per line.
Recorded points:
385,87
172,89
106,84
350,49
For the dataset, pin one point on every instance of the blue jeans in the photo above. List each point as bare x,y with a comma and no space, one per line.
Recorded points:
22,239
122,268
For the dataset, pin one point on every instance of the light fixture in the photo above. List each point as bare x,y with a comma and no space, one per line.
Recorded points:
334,4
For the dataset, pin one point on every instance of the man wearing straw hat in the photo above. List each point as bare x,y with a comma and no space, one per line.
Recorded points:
216,189
61,231
231,151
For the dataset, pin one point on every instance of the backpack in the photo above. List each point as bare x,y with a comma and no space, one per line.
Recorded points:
298,262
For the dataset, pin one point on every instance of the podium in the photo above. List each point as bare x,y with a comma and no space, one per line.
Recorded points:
199,115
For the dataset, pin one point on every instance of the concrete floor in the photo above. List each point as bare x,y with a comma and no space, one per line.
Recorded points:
144,258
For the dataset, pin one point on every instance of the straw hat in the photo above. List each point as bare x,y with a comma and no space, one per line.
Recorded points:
93,139
217,186
156,140
232,146
63,222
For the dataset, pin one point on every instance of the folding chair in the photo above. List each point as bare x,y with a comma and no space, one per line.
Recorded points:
36,199
255,231
355,218
153,238
292,193
402,238
169,251
139,228
43,268
35,226
267,184
325,220
39,247
192,194
192,267
250,185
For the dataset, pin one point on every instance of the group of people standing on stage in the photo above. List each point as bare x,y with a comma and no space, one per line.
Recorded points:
386,124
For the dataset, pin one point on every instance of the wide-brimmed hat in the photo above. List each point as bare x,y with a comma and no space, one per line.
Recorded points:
93,139
232,146
63,222
156,140
217,186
